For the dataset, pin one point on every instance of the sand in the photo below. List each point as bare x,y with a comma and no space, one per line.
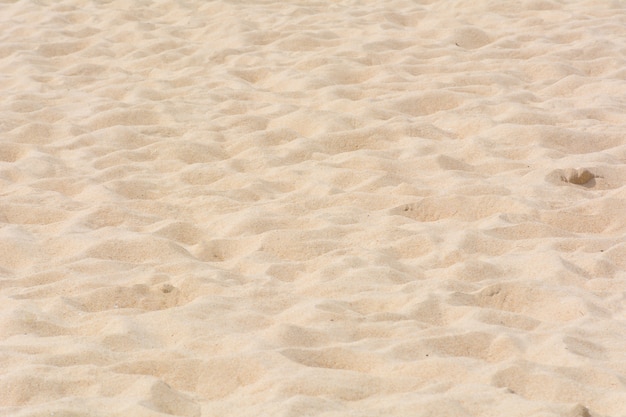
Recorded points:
304,208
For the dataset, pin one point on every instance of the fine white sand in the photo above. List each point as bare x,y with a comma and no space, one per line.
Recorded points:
313,208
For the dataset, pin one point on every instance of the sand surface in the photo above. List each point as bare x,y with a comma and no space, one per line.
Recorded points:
313,208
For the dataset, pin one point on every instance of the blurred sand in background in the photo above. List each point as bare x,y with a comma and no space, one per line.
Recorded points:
308,208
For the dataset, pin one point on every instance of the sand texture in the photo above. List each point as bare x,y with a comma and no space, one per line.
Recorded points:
313,208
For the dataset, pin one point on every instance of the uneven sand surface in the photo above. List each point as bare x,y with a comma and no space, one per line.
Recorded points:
308,208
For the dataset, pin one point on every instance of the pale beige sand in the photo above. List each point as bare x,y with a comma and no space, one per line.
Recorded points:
352,208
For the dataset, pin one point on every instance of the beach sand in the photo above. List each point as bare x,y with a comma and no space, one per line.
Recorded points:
307,208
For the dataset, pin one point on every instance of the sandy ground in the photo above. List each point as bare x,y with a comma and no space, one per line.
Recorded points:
313,208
